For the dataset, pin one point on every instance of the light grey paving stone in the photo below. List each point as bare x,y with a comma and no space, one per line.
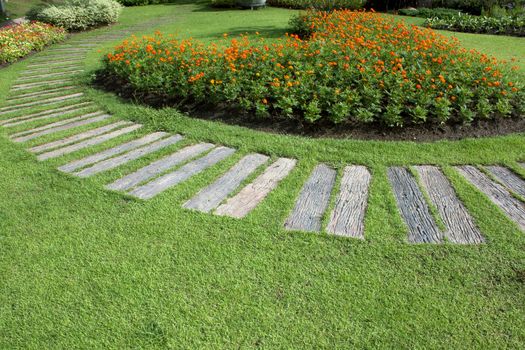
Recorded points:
159,167
210,197
50,113
78,137
57,69
88,143
348,217
64,127
414,209
37,76
161,184
48,66
460,228
55,124
52,83
44,102
509,179
498,194
39,94
250,196
117,161
312,201
80,163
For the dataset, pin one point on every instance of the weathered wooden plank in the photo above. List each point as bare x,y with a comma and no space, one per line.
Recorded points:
78,137
39,76
45,70
414,209
498,194
250,196
460,228
38,94
312,201
47,114
28,86
158,167
63,127
88,143
348,217
210,197
161,184
45,102
509,179
128,146
59,65
117,161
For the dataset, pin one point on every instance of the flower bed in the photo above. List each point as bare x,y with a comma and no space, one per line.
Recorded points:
353,67
19,40
506,25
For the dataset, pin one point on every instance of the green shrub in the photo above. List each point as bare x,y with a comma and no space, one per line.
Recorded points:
424,12
318,4
143,2
222,3
480,24
77,15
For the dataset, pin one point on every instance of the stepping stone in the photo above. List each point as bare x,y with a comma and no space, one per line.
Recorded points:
161,184
55,124
78,137
39,94
348,216
509,179
498,194
45,102
58,65
460,227
77,164
57,69
36,76
250,196
159,167
115,162
40,84
414,209
312,201
50,113
88,143
63,127
210,197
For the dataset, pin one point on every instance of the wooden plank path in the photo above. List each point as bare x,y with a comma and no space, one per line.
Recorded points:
508,178
421,225
37,94
312,201
498,194
460,227
250,196
210,197
39,76
161,184
347,218
47,114
160,166
44,102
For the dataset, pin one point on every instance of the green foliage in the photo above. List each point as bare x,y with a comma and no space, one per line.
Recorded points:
19,40
223,3
318,4
480,24
143,2
477,6
77,15
424,12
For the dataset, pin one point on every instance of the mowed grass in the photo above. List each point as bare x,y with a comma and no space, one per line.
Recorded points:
18,8
82,267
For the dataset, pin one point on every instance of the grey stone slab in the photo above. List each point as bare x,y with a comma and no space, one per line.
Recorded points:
210,197
313,200
64,127
52,83
80,163
497,193
348,217
47,114
39,94
117,161
77,137
250,196
421,225
460,228
160,166
39,76
46,69
49,66
509,179
161,184
44,102
88,143
55,124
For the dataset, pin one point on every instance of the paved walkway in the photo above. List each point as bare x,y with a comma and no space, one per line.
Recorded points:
47,84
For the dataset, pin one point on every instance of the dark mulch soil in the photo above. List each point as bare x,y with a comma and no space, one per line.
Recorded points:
361,131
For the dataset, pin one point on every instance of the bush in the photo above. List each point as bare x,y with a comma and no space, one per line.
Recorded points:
19,40
354,67
480,24
77,14
143,2
475,7
424,12
318,4
222,3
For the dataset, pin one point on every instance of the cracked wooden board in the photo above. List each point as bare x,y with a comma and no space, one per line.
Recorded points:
47,114
508,178
422,227
499,195
347,218
460,228
313,200
33,104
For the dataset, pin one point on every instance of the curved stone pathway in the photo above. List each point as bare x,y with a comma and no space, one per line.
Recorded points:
45,96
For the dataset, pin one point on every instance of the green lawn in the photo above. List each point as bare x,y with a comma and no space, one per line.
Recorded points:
81,267
18,8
